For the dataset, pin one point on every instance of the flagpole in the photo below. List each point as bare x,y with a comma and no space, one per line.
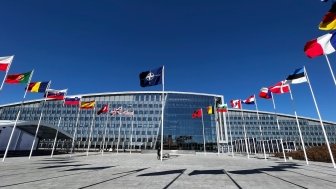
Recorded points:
321,122
132,132
217,125
261,133
3,81
331,71
58,124
17,118
39,122
162,111
74,134
93,118
298,125
245,134
277,120
224,125
106,119
230,131
119,134
203,132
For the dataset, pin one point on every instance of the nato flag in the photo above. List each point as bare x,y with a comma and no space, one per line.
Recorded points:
151,77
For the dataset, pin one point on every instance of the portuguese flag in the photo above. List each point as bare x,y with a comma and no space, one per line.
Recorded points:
18,78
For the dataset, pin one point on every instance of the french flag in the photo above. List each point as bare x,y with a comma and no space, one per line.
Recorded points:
326,44
249,100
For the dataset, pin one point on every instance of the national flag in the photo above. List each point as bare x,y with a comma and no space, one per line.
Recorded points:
128,113
329,20
5,62
151,77
265,93
280,87
56,94
297,77
197,113
117,111
73,101
222,108
103,109
38,87
87,105
18,78
210,110
322,45
236,104
249,100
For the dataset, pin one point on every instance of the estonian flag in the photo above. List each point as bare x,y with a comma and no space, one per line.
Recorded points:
299,76
151,77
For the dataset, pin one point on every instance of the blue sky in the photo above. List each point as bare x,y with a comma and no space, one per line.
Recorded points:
231,48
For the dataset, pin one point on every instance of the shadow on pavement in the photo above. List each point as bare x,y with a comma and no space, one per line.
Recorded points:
89,168
206,172
163,173
59,166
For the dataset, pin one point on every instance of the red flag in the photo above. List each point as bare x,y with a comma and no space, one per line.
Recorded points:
279,88
104,109
197,113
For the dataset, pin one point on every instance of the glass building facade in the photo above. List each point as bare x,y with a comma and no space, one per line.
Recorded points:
142,130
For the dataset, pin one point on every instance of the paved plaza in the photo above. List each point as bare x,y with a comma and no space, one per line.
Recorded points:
136,170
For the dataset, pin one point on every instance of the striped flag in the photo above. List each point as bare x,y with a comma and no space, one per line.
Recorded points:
38,87
87,105
5,62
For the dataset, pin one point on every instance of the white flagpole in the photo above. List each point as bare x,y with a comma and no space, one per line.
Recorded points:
93,118
17,117
119,134
224,124
58,124
203,132
132,132
3,81
217,132
331,71
106,119
298,125
277,120
321,122
245,134
227,109
261,133
162,111
39,122
75,132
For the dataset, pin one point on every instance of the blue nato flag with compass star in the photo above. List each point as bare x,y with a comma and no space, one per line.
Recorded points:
151,77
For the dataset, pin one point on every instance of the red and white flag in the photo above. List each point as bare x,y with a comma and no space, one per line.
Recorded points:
5,62
280,88
236,104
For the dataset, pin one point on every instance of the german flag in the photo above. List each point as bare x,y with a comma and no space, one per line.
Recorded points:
88,105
